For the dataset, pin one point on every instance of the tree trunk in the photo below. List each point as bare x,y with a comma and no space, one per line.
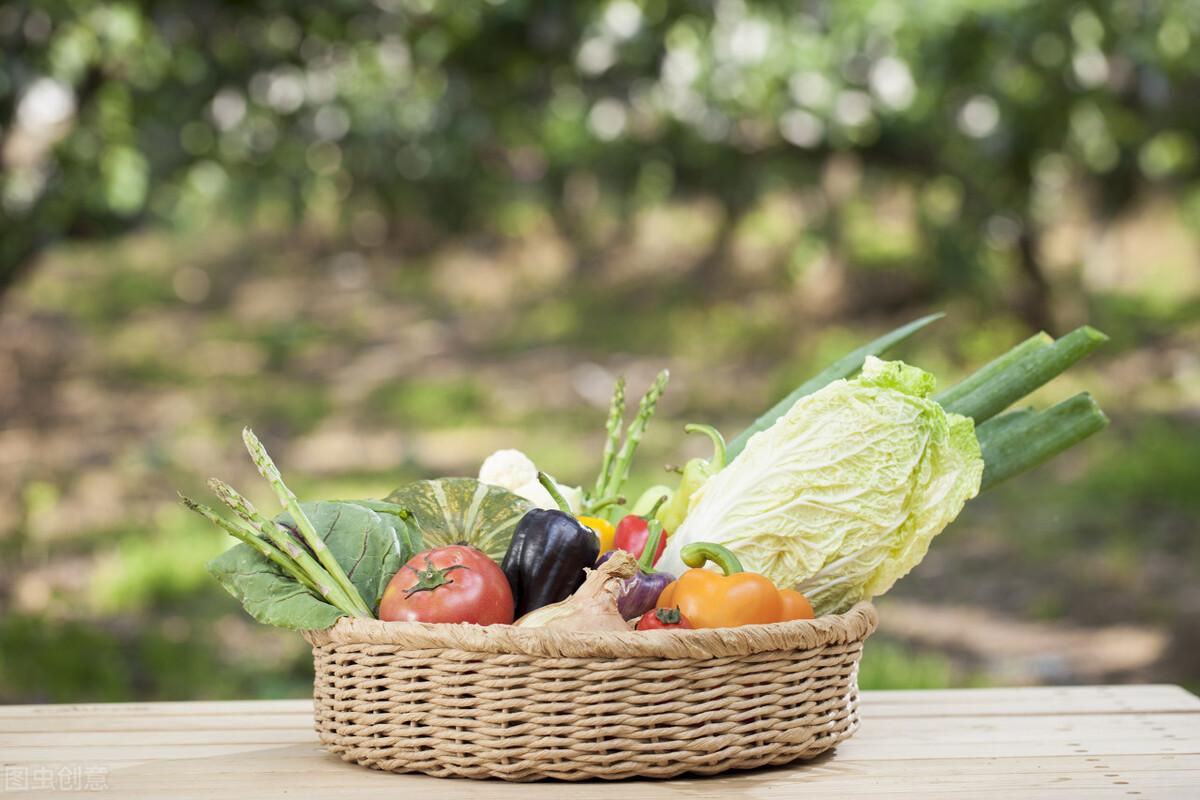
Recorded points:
1033,304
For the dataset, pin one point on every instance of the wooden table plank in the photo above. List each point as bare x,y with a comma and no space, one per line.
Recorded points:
1138,741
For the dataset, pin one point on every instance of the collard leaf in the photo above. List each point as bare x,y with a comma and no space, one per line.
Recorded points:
453,510
368,545
267,594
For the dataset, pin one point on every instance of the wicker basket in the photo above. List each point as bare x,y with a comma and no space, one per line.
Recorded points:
524,704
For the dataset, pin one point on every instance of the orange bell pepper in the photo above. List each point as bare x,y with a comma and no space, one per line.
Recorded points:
795,605
714,600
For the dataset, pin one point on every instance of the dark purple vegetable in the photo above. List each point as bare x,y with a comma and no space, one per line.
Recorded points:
640,593
546,558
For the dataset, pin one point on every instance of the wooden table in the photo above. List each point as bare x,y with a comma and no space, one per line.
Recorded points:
1077,742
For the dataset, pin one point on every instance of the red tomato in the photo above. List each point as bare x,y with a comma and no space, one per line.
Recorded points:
456,583
632,535
657,618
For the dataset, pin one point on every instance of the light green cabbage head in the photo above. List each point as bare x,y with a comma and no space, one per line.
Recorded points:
843,494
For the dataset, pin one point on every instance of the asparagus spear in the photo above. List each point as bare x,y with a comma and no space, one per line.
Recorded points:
844,367
267,468
281,559
1017,377
616,415
326,585
1014,444
633,436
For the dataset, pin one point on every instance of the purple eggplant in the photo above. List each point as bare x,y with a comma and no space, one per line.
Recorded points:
641,592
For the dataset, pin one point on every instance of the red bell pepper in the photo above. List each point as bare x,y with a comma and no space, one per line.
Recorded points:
633,532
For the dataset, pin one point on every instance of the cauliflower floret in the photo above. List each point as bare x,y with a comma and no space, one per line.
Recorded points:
508,469
516,472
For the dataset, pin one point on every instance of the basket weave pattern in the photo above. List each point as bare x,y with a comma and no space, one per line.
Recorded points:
525,704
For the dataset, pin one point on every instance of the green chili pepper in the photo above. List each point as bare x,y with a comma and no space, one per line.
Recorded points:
695,473
648,503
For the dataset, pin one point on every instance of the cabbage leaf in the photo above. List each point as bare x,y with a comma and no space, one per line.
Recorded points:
843,494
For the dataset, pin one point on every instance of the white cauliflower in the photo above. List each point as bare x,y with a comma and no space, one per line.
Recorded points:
516,472
508,469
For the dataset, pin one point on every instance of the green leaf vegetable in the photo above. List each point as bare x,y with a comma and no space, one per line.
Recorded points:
844,367
366,544
287,499
313,563
842,495
268,594
454,510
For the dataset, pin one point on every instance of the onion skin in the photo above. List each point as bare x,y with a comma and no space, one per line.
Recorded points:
640,592
593,607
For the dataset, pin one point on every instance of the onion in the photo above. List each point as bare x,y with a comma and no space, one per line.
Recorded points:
593,607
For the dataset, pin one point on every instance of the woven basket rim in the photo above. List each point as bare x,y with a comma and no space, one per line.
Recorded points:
854,625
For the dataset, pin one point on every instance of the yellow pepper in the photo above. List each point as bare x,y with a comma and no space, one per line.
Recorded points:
603,528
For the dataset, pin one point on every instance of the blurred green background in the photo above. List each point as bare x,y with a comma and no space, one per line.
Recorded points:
393,237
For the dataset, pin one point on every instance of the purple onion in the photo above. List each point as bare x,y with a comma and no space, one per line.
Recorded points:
639,593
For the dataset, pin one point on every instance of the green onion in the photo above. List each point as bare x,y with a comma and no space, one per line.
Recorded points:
989,372
1016,442
1011,377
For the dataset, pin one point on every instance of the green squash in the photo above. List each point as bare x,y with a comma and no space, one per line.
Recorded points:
458,510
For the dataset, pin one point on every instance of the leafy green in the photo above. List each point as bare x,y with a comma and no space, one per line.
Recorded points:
453,510
367,544
844,367
841,496
370,546
267,594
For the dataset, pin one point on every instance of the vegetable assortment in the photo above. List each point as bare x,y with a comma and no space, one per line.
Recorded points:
826,500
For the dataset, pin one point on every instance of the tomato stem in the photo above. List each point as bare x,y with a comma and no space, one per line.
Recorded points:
429,578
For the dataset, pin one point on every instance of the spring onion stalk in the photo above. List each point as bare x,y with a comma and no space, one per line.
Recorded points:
326,585
981,377
249,537
267,468
612,439
1011,446
1013,380
633,436
1000,422
844,367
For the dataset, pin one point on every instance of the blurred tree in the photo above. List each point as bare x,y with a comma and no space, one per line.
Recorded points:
115,113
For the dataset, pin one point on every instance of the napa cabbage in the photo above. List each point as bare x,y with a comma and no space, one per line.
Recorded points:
843,494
